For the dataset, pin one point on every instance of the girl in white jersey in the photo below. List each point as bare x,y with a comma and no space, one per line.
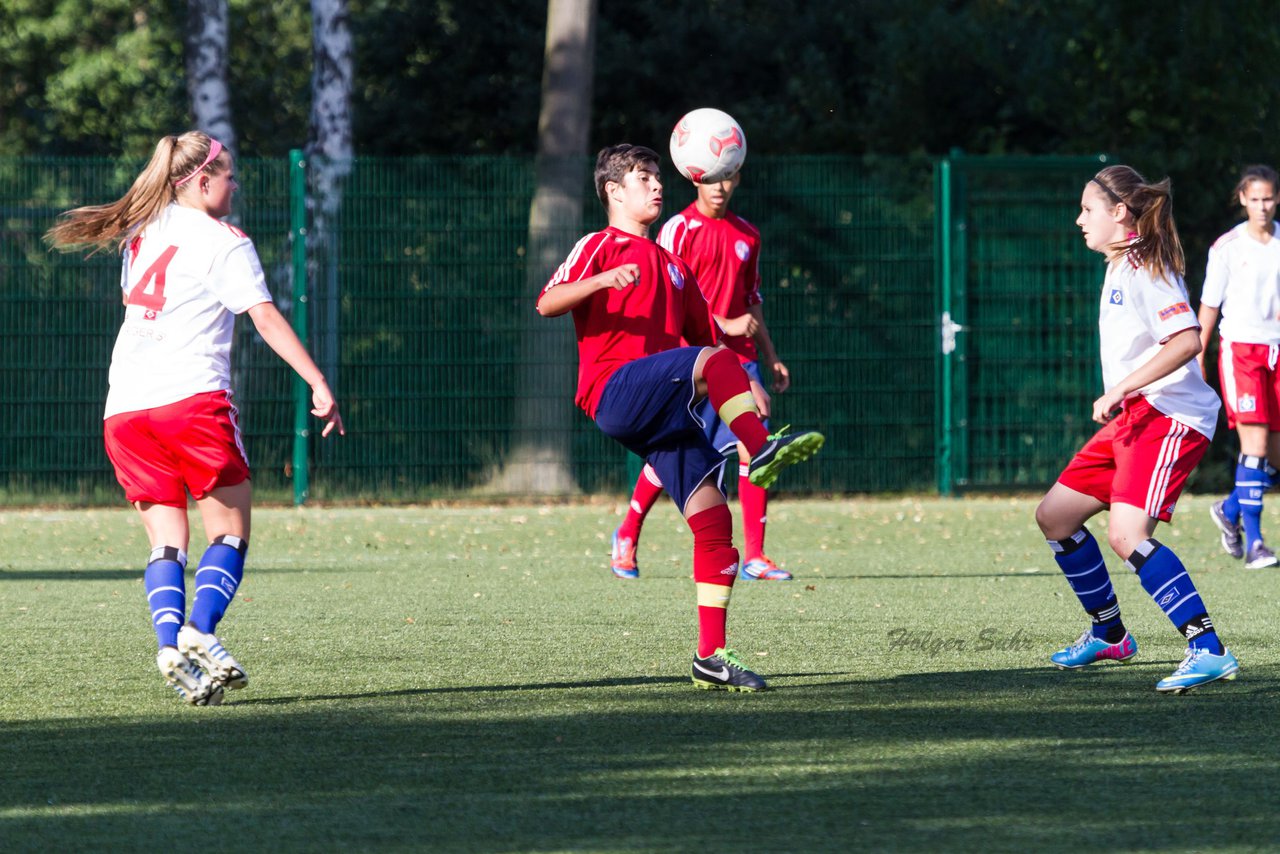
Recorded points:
1242,284
170,423
1158,416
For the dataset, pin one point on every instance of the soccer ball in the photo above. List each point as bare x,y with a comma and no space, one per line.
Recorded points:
707,146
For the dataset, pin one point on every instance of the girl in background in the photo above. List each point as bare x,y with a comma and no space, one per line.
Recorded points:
1242,285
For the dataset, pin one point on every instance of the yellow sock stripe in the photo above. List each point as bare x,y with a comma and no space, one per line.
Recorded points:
713,595
737,405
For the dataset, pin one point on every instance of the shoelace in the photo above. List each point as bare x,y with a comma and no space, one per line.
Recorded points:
730,657
779,433
1193,655
1081,642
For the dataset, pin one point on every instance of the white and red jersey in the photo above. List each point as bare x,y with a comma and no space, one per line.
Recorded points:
660,311
724,255
1243,279
185,277
1138,314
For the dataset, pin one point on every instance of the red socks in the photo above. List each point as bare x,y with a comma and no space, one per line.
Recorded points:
755,505
715,567
729,389
648,488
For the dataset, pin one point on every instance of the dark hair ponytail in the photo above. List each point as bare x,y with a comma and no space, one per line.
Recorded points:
1157,246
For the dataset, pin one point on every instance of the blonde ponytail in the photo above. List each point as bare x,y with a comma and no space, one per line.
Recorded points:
111,225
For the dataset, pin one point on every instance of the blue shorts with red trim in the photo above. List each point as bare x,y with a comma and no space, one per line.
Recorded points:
648,407
719,434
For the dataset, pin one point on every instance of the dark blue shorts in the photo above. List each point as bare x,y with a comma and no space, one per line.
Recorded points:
718,433
647,406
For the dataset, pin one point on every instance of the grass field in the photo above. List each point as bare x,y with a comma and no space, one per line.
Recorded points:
474,678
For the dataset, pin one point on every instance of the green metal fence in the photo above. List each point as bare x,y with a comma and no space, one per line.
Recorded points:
416,297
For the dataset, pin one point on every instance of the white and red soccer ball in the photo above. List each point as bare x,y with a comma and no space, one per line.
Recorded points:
707,146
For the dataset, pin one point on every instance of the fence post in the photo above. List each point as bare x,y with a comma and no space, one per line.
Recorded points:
298,259
942,283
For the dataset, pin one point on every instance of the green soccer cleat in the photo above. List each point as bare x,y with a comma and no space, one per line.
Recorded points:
723,671
782,451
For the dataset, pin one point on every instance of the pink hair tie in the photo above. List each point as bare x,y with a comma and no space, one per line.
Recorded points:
215,148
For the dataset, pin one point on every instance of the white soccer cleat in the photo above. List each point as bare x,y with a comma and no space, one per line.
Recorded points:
192,684
208,652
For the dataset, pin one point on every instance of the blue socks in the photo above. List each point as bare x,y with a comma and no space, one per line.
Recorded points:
1081,562
166,592
1166,580
1253,478
217,578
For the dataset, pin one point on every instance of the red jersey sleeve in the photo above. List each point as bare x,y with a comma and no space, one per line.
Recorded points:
581,263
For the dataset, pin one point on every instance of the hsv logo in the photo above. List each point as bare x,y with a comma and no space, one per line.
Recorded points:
1168,597
676,279
742,250
1117,297
723,141
1246,403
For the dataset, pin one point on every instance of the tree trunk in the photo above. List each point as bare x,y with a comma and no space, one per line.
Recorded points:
207,38
329,154
540,457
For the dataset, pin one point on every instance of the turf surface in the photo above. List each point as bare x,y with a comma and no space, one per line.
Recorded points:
474,678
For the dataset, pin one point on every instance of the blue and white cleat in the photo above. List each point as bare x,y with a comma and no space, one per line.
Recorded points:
623,558
208,652
1200,667
1087,649
763,569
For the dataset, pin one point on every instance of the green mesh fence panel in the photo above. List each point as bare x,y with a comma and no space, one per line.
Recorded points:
420,302
1027,294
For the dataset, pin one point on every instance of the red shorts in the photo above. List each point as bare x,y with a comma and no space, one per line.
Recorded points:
1142,457
1250,384
159,454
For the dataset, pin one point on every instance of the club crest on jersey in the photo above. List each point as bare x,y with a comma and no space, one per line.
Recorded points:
149,314
742,250
1246,403
1117,297
676,278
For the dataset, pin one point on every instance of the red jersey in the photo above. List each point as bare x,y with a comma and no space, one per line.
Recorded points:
724,255
658,312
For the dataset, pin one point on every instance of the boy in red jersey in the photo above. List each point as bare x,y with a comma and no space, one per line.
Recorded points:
634,304
723,250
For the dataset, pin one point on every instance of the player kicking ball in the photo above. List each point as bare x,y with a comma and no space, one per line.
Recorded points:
633,304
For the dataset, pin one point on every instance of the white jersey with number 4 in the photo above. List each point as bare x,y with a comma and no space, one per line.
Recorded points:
1243,278
1137,316
185,278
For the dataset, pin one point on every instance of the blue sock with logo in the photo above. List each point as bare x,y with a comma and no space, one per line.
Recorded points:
166,592
217,578
1081,562
1252,480
1166,580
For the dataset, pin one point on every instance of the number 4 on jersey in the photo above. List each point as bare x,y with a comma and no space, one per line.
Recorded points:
149,292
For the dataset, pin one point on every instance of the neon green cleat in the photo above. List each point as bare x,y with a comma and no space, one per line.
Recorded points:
722,670
783,451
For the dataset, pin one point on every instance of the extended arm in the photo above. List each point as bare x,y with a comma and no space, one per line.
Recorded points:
764,343
280,337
